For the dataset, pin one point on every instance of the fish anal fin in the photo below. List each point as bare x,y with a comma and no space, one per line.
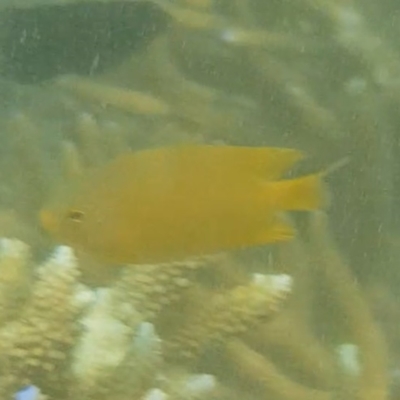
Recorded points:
280,231
302,194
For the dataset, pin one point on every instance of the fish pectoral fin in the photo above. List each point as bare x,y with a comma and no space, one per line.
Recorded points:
280,231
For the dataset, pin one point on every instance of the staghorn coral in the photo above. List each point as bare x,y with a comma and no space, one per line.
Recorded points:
74,342
150,288
101,346
15,278
317,75
228,313
36,344
294,335
358,320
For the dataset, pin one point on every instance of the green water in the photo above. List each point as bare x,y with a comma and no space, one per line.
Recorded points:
322,76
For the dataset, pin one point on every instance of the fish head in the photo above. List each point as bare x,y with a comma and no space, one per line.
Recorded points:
69,214
89,218
66,223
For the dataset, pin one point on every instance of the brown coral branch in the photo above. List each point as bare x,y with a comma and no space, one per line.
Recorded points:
299,349
373,381
257,369
229,313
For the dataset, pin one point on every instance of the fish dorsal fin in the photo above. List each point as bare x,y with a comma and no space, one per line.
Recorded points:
265,162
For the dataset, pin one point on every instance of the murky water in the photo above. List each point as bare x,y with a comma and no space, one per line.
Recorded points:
312,318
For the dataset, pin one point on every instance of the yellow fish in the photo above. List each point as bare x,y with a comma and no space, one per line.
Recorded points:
172,203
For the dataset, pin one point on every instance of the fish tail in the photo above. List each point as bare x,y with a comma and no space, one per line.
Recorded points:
305,193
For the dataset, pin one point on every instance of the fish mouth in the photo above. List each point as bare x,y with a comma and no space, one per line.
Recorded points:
48,221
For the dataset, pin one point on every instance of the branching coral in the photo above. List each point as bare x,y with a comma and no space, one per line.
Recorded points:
357,317
316,75
75,342
228,313
34,347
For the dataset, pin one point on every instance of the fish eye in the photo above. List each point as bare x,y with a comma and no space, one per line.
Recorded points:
76,215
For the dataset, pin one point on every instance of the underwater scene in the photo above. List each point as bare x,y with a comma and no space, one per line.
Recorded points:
199,200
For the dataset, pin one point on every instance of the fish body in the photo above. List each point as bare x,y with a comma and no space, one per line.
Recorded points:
172,203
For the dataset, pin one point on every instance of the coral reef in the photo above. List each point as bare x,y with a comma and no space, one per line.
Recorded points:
301,320
76,342
150,332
